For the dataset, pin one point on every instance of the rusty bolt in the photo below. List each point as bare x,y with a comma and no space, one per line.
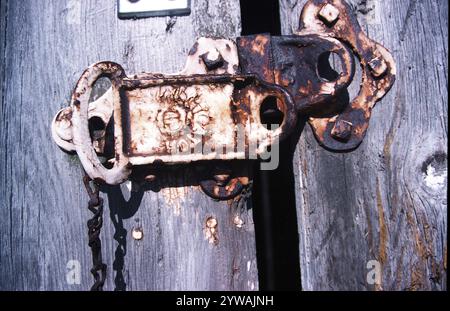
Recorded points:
342,130
329,14
377,66
212,59
137,233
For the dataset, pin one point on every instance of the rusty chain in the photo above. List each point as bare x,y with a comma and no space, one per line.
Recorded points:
94,224
241,200
239,204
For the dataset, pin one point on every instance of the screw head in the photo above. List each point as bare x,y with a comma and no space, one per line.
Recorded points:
377,66
329,14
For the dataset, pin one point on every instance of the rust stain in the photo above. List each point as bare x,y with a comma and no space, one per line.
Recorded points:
174,197
387,148
428,237
419,266
369,229
445,258
382,249
420,245
260,44
416,278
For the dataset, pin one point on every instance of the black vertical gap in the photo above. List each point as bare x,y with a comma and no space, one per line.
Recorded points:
277,242
260,16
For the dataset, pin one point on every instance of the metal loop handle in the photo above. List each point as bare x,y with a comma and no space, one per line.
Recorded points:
81,137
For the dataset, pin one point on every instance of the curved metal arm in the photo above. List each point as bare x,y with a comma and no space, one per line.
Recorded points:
81,136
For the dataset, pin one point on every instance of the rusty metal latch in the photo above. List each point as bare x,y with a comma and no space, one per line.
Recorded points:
211,109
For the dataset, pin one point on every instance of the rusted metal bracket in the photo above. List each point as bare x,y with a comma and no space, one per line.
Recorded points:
211,109
334,18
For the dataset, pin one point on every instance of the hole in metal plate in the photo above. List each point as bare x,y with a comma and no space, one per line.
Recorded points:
148,8
270,112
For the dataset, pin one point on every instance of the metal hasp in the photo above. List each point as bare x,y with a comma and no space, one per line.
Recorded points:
209,113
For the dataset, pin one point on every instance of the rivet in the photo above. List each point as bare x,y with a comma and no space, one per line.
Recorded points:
377,66
212,59
342,130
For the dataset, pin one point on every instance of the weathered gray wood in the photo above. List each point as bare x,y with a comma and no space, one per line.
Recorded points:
45,46
387,200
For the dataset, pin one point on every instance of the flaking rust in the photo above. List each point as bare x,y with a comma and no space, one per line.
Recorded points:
210,112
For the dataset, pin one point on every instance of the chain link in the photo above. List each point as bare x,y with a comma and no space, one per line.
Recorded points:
239,203
94,225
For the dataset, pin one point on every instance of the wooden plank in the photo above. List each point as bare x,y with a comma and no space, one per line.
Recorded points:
47,45
385,201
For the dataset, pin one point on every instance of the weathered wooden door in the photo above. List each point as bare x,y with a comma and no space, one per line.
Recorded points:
372,219
45,46
383,206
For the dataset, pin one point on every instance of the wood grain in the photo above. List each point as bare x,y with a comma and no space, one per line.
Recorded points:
387,200
45,46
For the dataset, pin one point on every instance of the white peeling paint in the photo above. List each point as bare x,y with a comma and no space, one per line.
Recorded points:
435,179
